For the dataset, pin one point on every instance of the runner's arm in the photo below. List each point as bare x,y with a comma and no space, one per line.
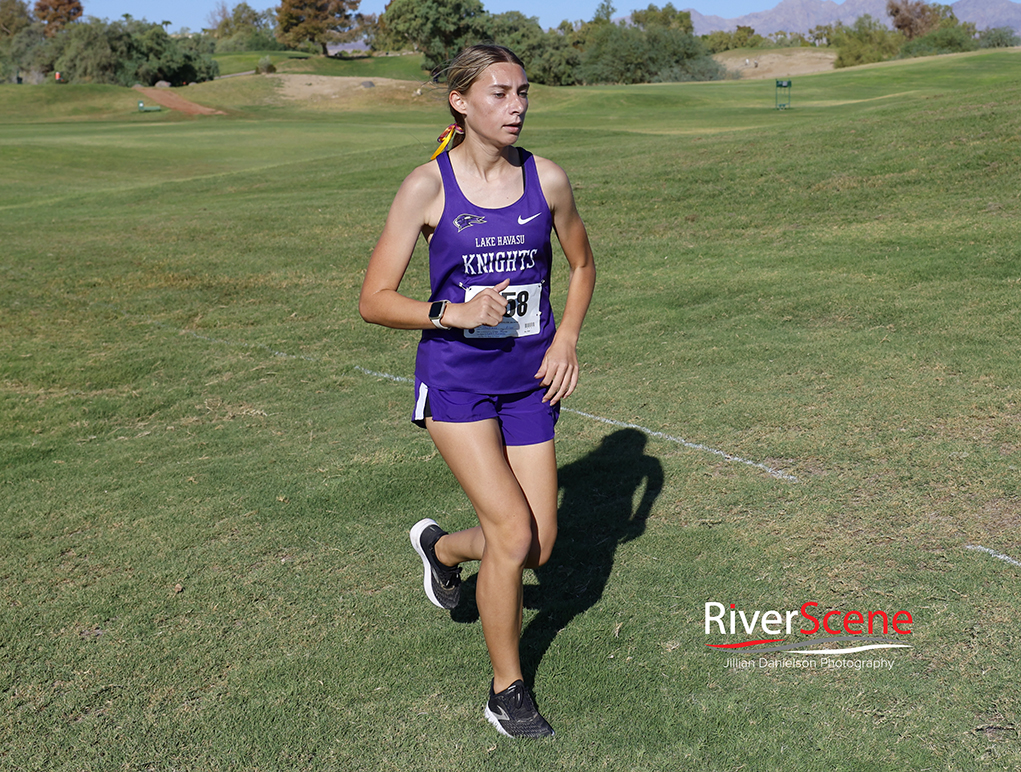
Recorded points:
380,302
559,369
414,211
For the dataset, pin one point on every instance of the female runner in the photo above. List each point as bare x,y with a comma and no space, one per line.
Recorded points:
492,366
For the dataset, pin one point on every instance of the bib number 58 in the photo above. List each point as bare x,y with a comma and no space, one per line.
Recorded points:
521,318
517,304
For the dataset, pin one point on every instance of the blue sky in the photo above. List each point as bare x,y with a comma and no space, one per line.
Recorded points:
194,14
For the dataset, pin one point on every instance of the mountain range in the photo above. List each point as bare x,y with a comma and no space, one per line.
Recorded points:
802,15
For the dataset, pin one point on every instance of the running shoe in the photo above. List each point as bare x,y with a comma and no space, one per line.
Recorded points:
442,583
514,714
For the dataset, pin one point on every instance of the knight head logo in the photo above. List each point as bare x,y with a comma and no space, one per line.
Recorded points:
463,221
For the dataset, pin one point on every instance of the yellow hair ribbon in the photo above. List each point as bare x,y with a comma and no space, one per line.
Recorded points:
445,138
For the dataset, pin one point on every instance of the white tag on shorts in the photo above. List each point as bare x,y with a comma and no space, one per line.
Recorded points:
522,317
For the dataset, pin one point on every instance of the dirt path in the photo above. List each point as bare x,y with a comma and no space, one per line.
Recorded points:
340,91
778,63
168,98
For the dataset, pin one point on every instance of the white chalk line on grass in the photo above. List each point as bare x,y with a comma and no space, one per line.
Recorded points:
777,473
993,553
397,378
780,475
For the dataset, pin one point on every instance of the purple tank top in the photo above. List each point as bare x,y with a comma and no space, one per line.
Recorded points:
473,248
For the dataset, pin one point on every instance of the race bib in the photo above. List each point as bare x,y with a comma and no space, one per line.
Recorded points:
522,317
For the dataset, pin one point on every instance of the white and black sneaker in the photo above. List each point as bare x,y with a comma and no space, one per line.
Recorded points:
442,583
514,714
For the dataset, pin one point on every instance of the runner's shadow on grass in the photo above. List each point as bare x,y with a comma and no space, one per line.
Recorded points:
607,497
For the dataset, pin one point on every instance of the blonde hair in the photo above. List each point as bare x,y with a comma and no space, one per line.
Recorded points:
467,67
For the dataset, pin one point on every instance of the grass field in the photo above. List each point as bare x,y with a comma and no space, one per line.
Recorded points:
246,61
206,491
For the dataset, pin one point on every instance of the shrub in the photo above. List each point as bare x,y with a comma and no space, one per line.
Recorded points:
555,63
618,54
945,40
120,53
998,37
864,42
700,68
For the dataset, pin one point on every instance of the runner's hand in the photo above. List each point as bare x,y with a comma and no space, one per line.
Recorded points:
484,310
559,371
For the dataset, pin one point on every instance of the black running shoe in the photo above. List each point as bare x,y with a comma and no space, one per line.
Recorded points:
442,583
514,714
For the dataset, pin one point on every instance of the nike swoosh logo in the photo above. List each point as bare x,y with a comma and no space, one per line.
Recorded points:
527,219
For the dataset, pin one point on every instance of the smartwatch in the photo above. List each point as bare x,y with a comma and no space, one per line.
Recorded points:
436,313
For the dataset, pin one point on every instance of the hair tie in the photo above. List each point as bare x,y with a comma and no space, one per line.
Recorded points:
445,138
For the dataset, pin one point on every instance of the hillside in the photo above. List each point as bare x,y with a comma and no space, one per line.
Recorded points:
777,62
802,15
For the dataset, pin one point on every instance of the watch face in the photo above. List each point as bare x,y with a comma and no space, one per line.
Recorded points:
436,310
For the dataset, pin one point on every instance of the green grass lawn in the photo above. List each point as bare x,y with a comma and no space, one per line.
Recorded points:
407,67
246,61
206,494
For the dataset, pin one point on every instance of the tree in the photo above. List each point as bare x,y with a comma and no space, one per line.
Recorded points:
161,57
913,18
823,33
556,63
240,19
942,40
743,37
380,37
681,57
623,54
616,55
118,53
668,17
549,57
718,41
14,17
930,29
25,52
521,34
316,21
437,28
219,15
242,28
947,19
866,41
373,34
56,13
604,12
96,52
998,37
785,39
746,37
